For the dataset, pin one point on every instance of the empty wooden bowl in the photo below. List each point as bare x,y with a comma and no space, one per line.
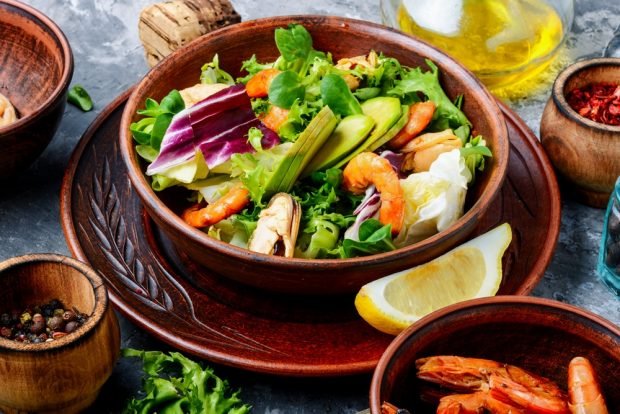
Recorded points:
65,375
36,69
585,153
237,43
536,334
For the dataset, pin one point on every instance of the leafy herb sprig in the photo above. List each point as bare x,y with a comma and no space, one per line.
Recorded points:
175,384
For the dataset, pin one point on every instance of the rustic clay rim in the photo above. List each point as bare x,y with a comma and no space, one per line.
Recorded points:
153,203
559,97
41,19
99,292
512,301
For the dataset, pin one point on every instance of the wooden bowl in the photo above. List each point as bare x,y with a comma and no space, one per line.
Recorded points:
585,153
237,43
37,66
536,334
65,375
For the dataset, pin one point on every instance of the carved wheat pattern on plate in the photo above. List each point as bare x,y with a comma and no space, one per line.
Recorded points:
150,284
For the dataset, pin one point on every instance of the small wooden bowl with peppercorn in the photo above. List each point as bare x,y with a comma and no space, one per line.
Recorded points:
580,129
59,338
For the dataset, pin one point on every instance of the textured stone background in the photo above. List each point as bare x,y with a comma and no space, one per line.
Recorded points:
109,59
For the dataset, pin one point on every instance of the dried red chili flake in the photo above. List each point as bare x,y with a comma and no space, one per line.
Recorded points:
599,102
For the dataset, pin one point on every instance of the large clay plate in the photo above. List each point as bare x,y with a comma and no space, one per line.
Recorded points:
152,284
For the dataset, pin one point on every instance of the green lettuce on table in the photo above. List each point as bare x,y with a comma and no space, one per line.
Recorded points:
175,384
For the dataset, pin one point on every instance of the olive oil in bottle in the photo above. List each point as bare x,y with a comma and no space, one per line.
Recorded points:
501,41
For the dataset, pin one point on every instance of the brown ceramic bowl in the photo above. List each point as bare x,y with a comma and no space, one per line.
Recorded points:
37,66
65,375
536,334
343,37
585,153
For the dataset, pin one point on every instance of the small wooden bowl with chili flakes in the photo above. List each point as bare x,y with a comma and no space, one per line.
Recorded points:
580,129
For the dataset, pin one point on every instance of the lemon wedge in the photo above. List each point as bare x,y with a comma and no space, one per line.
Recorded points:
472,270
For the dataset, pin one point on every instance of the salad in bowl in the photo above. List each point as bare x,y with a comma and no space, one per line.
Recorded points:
312,157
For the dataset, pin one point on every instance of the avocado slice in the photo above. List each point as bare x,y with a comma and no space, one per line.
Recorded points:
350,132
301,152
385,111
393,131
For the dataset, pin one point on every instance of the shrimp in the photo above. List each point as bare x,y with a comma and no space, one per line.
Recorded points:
506,388
369,168
461,374
422,151
583,388
230,203
420,115
275,117
7,112
258,85
387,408
535,394
475,403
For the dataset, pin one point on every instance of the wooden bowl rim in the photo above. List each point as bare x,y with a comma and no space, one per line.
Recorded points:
153,202
99,292
512,301
67,71
557,93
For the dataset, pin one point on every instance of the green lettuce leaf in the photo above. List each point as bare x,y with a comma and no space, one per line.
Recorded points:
415,81
374,238
211,73
175,384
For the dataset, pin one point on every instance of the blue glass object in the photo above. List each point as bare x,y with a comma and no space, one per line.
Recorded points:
609,254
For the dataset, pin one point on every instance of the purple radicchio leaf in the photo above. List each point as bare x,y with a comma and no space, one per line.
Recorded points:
396,160
368,208
371,203
218,126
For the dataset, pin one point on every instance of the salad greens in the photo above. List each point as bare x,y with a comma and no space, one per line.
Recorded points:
298,134
175,384
336,94
412,81
285,89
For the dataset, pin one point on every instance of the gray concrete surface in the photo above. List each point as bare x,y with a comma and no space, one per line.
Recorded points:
109,59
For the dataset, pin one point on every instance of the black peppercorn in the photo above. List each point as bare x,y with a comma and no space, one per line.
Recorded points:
55,322
69,316
71,326
37,327
44,323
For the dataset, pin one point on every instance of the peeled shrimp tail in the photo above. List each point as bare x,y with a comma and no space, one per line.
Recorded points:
230,203
369,168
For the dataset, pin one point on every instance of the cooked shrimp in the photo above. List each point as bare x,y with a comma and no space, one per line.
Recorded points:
583,389
509,389
369,168
387,408
230,203
275,117
423,150
7,112
475,403
537,395
457,372
420,115
258,85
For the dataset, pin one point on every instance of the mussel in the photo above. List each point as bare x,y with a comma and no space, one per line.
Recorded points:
277,227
